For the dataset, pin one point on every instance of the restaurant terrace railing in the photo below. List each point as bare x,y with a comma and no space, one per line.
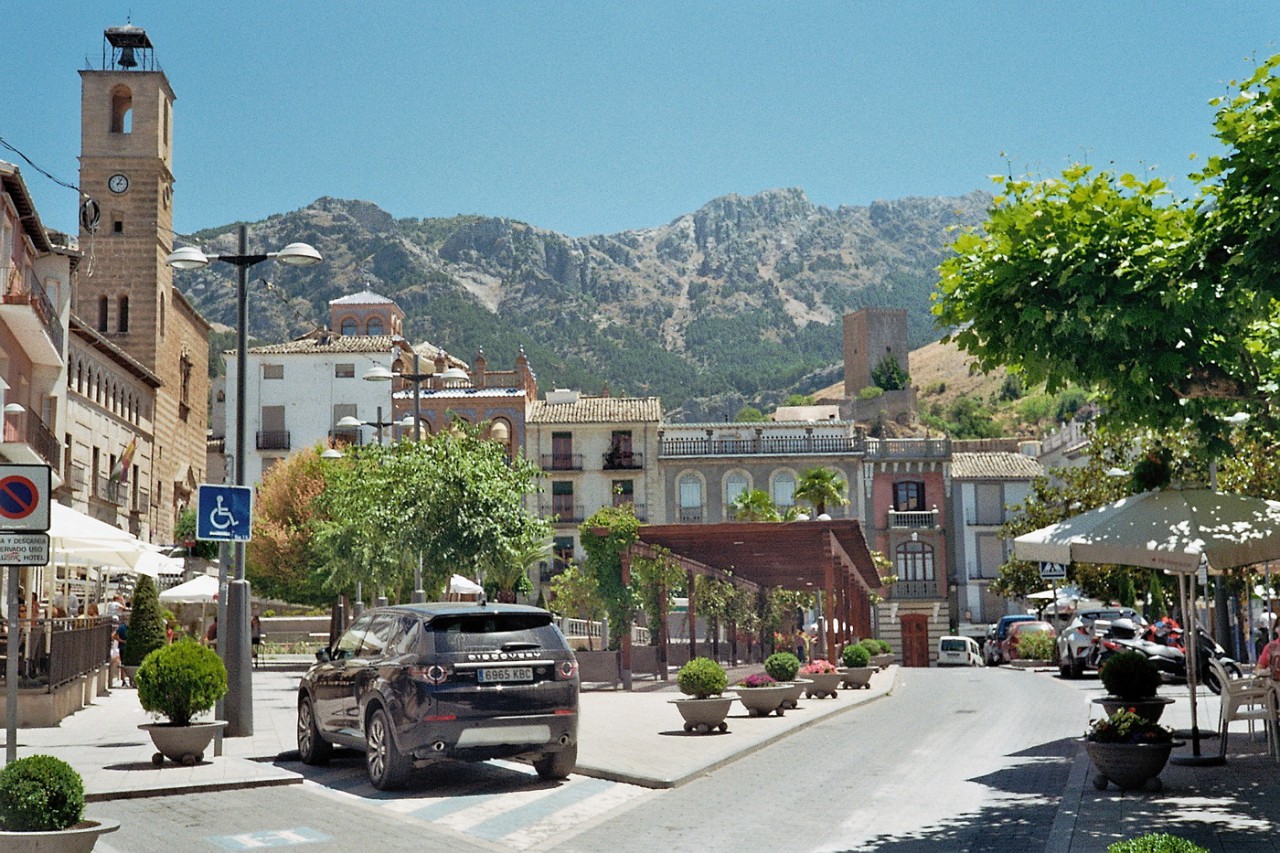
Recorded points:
53,652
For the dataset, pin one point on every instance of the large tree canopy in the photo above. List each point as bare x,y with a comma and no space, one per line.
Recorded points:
1166,306
455,500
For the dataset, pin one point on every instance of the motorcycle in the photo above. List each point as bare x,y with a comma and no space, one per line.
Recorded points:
1170,658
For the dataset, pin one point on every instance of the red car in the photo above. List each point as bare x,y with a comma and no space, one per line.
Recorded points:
1019,630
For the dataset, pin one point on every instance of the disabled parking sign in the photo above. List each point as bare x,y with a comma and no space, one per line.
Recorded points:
223,513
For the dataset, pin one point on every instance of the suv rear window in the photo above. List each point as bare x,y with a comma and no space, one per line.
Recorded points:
952,645
482,632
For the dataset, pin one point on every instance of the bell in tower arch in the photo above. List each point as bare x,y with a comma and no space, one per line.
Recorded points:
126,59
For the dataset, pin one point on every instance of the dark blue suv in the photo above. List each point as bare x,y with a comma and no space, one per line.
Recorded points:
413,684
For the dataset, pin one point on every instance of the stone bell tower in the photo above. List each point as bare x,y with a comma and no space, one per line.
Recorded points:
125,289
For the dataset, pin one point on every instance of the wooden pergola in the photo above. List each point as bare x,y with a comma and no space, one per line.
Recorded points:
807,556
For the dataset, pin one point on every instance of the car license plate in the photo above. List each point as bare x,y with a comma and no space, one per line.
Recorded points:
499,675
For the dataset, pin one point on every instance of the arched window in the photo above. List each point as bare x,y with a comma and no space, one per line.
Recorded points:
121,110
735,483
783,490
374,326
103,306
350,327
122,318
690,498
913,561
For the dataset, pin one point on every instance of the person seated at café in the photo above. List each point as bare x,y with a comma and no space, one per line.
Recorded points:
1269,660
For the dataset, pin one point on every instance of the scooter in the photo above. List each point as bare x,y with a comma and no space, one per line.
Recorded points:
1169,658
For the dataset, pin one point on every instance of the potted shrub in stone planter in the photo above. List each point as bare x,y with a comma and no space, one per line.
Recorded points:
782,668
883,655
1131,680
825,677
179,682
42,808
1128,750
703,680
761,695
857,666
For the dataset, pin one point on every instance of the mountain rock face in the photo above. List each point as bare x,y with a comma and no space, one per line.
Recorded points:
739,300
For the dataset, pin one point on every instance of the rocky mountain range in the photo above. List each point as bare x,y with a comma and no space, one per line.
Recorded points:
740,301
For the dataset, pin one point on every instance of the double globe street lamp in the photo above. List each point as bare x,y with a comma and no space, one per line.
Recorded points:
233,638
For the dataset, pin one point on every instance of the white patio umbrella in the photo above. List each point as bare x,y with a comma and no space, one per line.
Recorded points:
202,589
459,585
1171,529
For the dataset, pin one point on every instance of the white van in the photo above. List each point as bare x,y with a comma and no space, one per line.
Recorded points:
958,651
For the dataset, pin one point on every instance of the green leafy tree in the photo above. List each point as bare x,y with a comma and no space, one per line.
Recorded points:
146,624
185,531
799,400
604,536
820,487
754,505
455,500
575,593
749,415
1166,306
654,582
889,374
281,558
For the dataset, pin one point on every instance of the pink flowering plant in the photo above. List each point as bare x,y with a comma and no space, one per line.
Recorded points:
1126,726
757,679
817,666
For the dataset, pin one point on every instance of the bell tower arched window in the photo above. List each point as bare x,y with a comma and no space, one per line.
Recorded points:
374,326
121,110
122,318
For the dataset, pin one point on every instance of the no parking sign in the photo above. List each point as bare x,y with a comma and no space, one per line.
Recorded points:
24,497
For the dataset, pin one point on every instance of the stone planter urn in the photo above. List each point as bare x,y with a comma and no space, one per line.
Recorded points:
883,660
181,744
80,838
857,677
763,701
825,684
704,715
1128,765
1150,708
794,690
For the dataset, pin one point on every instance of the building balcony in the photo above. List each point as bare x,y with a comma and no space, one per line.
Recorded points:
692,514
562,512
26,308
617,460
112,491
561,462
903,590
914,520
26,428
273,439
983,519
141,502
763,446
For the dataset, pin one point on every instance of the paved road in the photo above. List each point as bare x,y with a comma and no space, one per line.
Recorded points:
955,760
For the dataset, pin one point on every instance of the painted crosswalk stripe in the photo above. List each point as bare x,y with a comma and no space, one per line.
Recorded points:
510,821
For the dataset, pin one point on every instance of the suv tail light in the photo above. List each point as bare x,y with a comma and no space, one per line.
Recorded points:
566,670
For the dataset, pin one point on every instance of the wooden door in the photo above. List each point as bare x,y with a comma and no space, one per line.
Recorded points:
915,639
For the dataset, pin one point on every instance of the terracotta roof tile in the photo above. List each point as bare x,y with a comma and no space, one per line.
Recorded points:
994,466
596,410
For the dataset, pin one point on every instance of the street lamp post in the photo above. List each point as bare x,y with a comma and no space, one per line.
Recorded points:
237,651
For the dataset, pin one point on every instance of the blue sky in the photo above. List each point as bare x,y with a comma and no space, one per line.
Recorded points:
594,117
